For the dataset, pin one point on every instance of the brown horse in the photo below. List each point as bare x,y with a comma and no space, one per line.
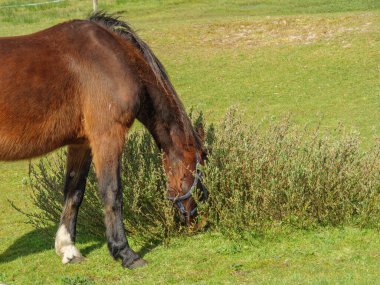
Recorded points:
82,84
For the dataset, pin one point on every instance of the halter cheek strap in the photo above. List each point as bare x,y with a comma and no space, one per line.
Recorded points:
198,179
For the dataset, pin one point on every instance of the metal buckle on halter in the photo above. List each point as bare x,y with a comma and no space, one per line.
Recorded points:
198,178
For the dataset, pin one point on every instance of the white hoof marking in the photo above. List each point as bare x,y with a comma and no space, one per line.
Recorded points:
65,248
70,254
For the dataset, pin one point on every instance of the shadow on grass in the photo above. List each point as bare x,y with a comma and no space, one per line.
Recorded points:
40,240
148,247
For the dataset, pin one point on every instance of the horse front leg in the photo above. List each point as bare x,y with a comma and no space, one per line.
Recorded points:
77,167
107,152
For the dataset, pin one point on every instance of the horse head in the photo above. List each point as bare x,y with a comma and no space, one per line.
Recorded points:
184,175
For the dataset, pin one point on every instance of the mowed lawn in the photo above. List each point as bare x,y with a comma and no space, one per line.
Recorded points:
315,60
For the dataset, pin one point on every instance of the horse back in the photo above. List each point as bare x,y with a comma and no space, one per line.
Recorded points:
53,81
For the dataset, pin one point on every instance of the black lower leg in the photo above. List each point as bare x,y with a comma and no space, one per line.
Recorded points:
111,195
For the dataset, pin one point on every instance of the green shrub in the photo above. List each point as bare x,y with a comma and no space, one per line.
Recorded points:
259,177
264,177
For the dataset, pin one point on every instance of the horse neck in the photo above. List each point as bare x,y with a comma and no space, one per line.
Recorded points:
164,116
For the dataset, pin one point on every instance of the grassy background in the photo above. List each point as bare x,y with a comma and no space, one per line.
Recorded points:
317,60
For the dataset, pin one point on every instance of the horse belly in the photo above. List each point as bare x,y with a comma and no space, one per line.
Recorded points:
31,128
31,140
39,103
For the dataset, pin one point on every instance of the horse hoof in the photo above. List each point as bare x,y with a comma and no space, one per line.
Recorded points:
72,259
71,255
136,264
76,259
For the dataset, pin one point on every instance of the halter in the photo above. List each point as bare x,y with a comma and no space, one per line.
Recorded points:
198,179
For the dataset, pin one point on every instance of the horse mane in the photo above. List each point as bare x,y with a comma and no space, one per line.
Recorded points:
122,28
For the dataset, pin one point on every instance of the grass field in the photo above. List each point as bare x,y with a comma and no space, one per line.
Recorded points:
317,60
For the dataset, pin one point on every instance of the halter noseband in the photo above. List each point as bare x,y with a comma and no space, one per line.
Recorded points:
198,179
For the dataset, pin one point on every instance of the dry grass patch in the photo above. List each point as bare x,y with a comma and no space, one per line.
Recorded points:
289,30
268,31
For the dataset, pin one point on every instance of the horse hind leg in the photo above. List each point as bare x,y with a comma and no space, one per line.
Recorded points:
78,165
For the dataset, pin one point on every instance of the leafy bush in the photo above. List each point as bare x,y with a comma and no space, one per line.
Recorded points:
259,177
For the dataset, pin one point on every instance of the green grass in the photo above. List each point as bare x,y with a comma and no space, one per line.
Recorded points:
329,256
317,60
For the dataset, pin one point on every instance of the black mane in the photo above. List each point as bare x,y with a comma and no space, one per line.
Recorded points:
121,27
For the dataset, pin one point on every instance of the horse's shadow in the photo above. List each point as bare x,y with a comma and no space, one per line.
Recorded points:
40,240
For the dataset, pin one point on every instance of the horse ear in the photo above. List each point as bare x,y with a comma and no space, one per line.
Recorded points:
201,132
